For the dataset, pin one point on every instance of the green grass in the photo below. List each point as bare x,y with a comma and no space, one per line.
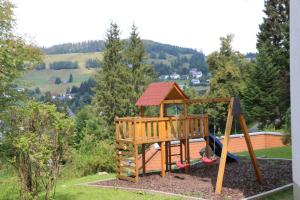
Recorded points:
69,189
44,79
278,152
283,195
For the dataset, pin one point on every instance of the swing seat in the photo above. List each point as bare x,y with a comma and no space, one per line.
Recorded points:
180,165
208,161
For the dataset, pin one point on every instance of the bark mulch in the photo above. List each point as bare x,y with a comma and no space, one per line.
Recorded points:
239,180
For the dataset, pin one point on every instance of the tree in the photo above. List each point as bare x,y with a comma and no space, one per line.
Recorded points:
113,90
37,90
16,55
226,66
262,94
70,78
35,138
57,81
273,42
141,73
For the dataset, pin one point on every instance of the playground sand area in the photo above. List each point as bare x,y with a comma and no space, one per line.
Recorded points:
239,180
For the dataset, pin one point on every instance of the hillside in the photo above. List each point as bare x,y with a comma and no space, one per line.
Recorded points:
165,58
44,79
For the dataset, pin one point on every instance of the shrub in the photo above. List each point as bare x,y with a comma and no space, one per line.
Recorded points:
287,137
91,157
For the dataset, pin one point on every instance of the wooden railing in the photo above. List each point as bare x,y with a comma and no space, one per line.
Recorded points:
155,129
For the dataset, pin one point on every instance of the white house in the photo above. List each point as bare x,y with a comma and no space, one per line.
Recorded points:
175,76
195,81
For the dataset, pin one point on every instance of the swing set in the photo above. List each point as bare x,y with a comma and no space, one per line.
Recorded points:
178,130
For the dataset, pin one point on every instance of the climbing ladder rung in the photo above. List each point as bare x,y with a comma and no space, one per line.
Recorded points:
125,153
126,178
125,169
177,154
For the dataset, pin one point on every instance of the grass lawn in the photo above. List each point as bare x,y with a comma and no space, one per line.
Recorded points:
69,189
284,195
278,152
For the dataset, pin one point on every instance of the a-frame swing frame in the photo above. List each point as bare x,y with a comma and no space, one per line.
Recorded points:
234,110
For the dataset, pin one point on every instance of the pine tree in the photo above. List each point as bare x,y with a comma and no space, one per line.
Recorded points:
141,73
262,94
112,89
273,42
70,78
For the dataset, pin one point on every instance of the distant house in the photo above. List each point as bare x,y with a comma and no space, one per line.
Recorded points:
20,89
181,86
164,77
195,74
175,76
184,77
195,82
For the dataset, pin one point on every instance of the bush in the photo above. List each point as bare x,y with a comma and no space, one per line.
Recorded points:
40,66
287,137
91,157
57,80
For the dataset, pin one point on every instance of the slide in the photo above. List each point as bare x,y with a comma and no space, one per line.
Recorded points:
218,149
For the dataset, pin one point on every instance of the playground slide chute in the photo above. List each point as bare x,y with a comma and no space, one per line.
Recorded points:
217,146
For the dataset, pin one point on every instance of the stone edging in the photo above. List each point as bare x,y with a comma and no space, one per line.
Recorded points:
139,190
267,193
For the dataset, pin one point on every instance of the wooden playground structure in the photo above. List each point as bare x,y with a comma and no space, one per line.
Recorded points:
135,132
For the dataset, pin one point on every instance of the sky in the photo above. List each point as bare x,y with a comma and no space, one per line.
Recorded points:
196,24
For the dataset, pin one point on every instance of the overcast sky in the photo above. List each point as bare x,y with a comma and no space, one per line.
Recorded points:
196,24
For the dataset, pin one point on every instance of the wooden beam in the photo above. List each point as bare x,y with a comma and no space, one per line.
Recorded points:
212,100
143,159
142,111
225,148
177,101
250,148
163,158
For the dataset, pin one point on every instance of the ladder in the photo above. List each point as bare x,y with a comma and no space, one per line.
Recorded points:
127,161
169,154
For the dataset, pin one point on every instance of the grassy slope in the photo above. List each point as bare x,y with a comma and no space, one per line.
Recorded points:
45,78
278,152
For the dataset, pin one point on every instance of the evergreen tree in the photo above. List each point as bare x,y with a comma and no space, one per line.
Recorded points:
112,89
141,73
273,42
70,78
262,94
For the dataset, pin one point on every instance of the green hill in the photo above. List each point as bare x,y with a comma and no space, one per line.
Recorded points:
165,58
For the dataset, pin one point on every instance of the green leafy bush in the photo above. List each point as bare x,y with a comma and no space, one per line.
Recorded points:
91,157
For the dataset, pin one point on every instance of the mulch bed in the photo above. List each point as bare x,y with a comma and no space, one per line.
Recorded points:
239,180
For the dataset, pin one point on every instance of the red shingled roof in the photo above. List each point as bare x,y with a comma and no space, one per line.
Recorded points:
157,92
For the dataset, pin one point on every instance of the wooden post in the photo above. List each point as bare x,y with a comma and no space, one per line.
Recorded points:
142,111
161,110
225,148
143,159
163,158
206,134
136,162
250,148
